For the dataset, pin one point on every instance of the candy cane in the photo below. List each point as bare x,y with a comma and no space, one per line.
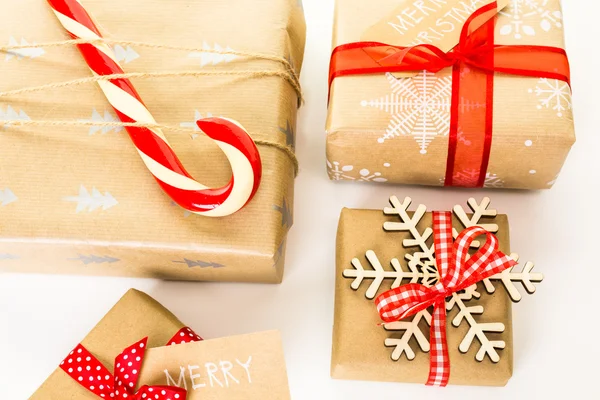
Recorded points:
152,145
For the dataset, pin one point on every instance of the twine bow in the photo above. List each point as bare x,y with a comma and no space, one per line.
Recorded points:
90,373
457,272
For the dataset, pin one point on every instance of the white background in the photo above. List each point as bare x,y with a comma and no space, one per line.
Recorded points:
557,333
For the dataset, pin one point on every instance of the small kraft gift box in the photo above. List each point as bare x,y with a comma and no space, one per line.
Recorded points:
212,86
155,357
462,93
408,269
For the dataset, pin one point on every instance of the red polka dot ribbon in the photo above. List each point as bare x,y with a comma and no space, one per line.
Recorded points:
457,272
89,372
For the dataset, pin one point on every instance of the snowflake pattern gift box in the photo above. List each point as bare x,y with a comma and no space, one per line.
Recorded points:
79,200
378,252
154,356
400,127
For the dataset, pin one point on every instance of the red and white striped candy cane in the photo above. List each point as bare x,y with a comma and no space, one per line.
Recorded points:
152,145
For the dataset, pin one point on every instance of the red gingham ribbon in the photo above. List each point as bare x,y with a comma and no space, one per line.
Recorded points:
86,369
457,272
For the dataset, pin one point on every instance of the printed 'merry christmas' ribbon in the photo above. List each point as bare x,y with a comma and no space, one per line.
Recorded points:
151,144
457,272
86,369
475,60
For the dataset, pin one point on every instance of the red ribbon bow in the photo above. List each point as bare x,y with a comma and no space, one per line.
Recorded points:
457,272
474,61
86,369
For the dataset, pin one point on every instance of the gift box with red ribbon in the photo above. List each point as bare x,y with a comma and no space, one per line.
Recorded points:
425,297
140,351
453,93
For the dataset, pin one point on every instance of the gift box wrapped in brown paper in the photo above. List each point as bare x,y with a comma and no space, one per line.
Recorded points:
256,360
395,127
78,199
371,260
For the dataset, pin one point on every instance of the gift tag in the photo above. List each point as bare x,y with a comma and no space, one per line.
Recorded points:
435,22
232,368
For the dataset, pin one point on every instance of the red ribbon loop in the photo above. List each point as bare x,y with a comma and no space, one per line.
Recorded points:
475,60
90,373
457,271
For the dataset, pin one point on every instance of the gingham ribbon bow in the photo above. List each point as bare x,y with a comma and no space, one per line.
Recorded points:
457,272
90,373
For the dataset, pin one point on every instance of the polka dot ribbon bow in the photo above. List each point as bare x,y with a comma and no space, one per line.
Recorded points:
457,271
86,369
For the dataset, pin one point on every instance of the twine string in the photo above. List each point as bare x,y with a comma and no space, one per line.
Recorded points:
147,75
289,74
288,67
176,129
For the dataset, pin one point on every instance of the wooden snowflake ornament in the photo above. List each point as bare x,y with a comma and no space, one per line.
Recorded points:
421,268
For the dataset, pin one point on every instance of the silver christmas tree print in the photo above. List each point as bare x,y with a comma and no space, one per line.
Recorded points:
7,197
10,114
192,124
106,117
125,54
28,52
94,259
199,263
290,136
92,201
418,106
287,216
213,55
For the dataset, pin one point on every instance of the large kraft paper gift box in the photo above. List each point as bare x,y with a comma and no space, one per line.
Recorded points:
239,367
371,260
394,127
79,200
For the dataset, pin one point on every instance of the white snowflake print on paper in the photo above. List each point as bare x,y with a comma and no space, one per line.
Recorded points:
92,201
107,117
419,106
7,197
29,52
125,54
420,267
553,94
10,114
213,55
527,17
492,181
339,172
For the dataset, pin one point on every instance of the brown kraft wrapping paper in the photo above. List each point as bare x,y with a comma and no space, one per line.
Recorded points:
359,352
79,200
385,129
259,357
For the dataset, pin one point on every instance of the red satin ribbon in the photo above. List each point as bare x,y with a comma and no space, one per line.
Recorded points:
457,272
475,60
90,373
